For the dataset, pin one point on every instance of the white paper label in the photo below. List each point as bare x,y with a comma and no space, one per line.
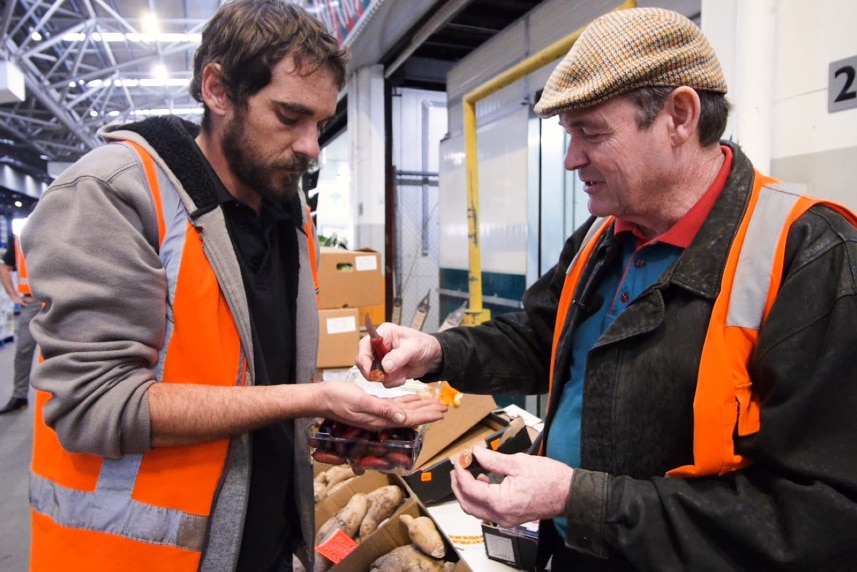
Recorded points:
341,325
363,263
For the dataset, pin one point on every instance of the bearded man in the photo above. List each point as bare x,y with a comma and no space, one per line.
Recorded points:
180,328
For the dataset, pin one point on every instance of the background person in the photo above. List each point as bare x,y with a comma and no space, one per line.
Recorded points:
180,326
692,423
25,345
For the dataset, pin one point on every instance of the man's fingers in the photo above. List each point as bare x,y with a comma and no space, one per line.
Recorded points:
400,417
491,460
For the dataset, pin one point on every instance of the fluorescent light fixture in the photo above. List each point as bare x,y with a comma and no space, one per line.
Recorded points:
18,224
12,85
145,82
159,111
134,37
150,23
160,72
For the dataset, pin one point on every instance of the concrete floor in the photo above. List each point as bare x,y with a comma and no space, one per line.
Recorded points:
16,441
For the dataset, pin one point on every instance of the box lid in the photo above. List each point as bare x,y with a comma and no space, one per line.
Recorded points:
455,423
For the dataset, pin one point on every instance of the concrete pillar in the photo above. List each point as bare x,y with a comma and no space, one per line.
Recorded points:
366,133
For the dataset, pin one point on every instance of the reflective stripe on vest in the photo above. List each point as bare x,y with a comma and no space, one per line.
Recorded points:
145,511
724,403
21,271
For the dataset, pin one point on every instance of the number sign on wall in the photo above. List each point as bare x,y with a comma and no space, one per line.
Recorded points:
842,88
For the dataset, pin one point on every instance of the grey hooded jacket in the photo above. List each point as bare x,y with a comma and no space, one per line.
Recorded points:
92,251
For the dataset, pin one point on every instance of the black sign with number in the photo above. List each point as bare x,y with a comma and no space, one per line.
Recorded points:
842,90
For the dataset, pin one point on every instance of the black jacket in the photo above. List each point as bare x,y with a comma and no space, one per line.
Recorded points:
795,506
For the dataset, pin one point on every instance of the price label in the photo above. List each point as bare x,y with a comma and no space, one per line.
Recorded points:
337,547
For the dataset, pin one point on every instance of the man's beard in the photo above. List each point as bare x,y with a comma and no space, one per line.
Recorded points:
266,179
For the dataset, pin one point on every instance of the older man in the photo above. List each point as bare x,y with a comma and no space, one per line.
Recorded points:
696,338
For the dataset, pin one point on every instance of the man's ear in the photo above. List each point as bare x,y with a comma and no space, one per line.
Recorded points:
213,91
684,108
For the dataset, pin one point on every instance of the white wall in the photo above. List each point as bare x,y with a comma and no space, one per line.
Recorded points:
419,124
366,134
810,144
333,213
503,170
505,174
776,55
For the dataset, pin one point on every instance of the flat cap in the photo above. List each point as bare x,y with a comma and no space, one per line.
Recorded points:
628,49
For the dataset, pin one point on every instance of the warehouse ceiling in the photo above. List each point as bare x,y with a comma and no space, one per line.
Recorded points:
87,63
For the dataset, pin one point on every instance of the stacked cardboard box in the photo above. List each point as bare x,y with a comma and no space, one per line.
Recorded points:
338,335
351,283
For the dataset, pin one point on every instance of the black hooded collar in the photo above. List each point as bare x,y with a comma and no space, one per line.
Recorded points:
172,138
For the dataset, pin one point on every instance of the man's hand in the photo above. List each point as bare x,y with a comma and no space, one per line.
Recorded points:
412,354
6,280
345,401
183,414
534,488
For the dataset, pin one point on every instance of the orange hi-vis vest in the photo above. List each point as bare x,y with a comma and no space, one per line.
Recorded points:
724,404
149,511
21,271
312,251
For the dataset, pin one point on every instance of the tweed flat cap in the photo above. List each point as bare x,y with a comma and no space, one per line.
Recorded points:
628,49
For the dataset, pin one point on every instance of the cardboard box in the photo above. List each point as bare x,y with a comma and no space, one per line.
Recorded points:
389,535
455,423
431,481
516,547
350,278
377,314
334,373
338,336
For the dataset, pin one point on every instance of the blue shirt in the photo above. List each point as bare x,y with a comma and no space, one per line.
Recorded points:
641,269
643,262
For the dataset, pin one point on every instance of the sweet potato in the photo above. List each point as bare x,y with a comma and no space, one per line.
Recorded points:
332,489
424,535
408,559
383,502
346,519
467,460
324,482
321,564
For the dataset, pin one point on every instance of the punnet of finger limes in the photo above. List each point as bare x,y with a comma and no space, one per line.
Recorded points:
385,450
393,450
